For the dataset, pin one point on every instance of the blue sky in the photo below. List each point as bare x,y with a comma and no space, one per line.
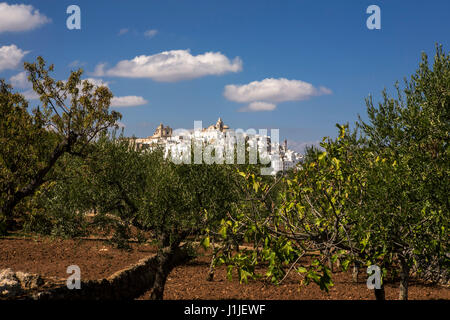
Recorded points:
331,60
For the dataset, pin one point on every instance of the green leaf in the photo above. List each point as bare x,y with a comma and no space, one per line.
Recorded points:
205,243
302,270
322,155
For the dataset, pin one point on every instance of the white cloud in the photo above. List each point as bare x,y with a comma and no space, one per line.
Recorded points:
127,101
273,90
10,57
258,106
20,17
150,33
97,82
93,81
174,65
30,94
263,95
99,70
20,80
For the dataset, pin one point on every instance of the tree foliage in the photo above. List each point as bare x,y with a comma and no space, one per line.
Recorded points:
377,195
175,206
71,114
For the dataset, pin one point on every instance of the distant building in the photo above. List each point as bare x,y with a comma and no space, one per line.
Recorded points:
281,158
162,132
218,126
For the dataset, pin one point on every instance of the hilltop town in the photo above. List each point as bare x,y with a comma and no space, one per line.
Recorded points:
219,134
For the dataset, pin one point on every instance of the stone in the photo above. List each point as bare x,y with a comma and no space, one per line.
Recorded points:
9,284
28,280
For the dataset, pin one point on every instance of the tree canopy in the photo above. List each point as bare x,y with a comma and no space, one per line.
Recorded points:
71,114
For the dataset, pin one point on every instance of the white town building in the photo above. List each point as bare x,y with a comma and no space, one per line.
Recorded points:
225,141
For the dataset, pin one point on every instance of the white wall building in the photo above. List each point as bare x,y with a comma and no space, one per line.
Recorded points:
224,141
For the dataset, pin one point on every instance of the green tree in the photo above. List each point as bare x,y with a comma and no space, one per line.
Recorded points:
175,205
59,206
379,197
308,213
406,208
72,113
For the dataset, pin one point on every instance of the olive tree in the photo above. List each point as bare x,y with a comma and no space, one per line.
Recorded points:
378,196
174,205
406,209
310,212
70,115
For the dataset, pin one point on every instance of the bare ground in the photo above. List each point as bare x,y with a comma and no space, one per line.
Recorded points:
98,259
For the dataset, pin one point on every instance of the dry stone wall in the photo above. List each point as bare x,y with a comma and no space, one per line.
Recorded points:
126,284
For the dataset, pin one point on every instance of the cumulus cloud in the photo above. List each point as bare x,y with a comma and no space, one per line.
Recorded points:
127,101
20,17
93,81
171,66
273,90
263,95
99,70
97,82
150,33
10,57
30,94
258,106
20,80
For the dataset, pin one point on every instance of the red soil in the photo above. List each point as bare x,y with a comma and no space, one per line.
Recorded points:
98,259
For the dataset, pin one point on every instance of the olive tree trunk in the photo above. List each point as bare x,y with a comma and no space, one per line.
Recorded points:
167,259
404,278
212,267
355,272
379,293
